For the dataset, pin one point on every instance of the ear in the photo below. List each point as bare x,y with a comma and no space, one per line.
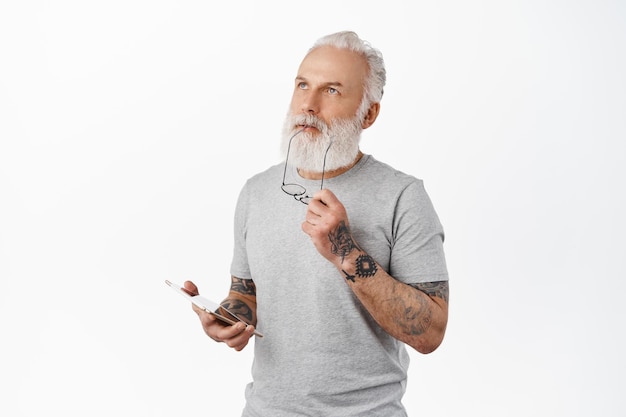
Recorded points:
372,114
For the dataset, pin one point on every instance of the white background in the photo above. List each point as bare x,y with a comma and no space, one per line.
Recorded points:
128,127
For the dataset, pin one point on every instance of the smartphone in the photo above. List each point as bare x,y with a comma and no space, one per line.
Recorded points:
208,306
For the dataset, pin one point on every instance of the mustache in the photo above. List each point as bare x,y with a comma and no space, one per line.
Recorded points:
310,120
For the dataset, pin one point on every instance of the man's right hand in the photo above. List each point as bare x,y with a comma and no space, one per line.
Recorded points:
236,336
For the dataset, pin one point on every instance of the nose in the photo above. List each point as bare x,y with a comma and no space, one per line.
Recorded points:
310,104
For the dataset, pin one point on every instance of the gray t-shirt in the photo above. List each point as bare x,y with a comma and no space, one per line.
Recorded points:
322,354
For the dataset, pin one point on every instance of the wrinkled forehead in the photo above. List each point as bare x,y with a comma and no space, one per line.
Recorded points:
328,64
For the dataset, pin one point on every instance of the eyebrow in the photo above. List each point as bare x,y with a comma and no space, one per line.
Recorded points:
325,84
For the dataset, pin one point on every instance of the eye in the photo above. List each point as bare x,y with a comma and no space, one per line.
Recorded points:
333,91
302,85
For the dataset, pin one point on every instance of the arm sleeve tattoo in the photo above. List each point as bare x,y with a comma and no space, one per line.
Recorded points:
243,286
434,289
238,307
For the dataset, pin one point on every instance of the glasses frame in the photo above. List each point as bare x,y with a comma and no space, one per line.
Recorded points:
300,195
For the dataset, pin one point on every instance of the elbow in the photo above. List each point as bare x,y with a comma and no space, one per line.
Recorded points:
430,338
428,342
426,347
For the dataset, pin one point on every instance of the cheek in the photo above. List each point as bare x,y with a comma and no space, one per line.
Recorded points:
299,98
294,104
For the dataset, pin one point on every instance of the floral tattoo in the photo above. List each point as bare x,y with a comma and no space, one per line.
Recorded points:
342,242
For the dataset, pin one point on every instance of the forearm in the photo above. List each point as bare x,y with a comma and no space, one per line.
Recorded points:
241,300
409,314
417,317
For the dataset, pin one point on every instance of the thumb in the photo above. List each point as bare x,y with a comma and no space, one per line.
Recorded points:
190,287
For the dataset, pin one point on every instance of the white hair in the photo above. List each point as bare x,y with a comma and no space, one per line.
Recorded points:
377,76
312,155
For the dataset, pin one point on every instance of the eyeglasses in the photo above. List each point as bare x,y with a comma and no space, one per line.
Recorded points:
296,190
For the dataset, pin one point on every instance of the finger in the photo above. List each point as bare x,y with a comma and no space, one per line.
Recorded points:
191,288
311,216
306,228
241,340
245,338
211,325
231,333
316,205
325,197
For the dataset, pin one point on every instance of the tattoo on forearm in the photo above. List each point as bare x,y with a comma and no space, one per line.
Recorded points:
341,240
415,315
239,309
348,276
243,286
434,289
365,266
416,321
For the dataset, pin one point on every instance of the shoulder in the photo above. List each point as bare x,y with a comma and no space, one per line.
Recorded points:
374,165
397,190
267,174
387,177
261,179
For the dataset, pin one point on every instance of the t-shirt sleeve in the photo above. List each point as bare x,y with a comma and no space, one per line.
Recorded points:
239,266
417,254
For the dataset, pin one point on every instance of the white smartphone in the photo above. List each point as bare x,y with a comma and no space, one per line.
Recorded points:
208,306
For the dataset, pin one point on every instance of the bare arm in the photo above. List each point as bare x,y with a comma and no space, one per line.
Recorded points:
241,299
415,314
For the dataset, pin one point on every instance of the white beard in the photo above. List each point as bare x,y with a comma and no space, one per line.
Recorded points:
307,152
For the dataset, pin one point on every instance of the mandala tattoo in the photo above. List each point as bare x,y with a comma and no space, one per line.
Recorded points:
365,266
342,241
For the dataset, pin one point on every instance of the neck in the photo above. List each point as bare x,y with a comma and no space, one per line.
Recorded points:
314,175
